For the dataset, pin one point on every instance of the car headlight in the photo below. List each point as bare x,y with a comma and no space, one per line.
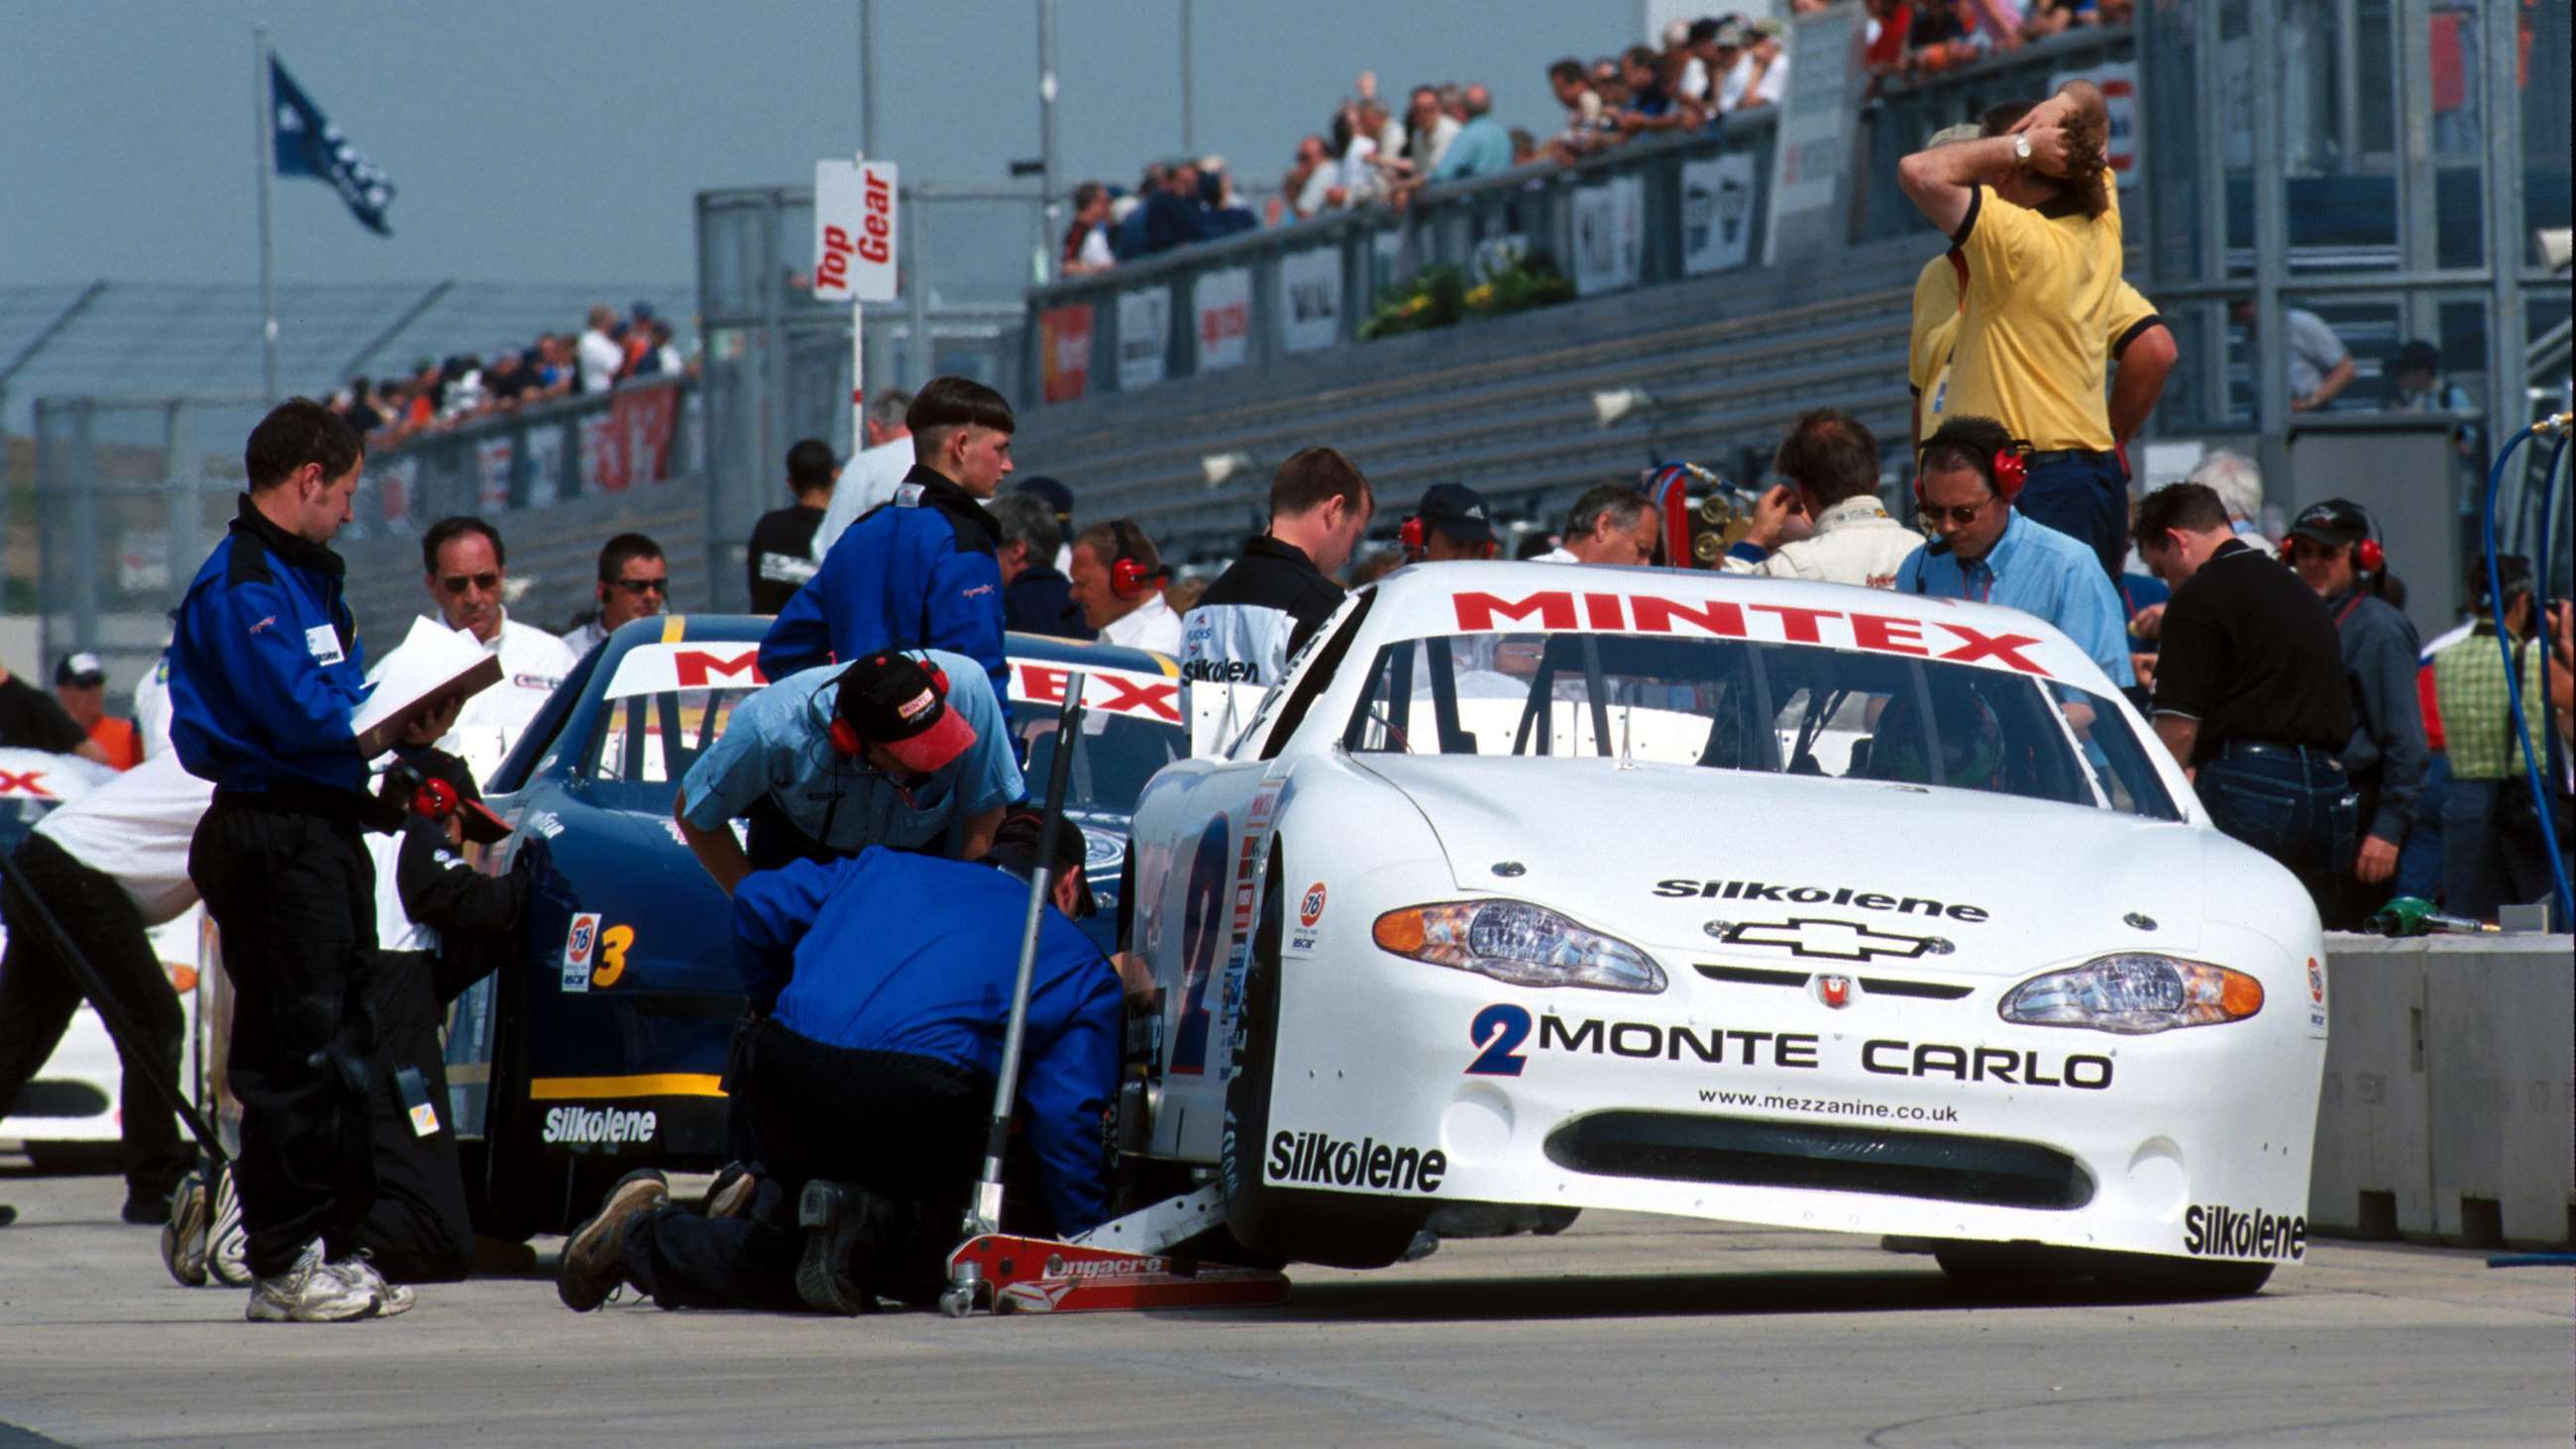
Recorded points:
1516,942
2135,995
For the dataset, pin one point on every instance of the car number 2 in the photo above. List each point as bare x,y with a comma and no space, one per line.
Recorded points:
1499,1029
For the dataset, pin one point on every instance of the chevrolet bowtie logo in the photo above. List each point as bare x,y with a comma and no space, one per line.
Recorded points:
1831,940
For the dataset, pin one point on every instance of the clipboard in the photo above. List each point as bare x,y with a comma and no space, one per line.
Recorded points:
434,664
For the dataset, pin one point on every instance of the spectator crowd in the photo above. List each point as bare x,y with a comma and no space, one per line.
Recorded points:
442,393
1375,152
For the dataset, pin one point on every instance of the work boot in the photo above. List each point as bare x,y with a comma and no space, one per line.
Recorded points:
312,1291
593,1257
391,1298
183,1233
845,1231
227,1246
729,1196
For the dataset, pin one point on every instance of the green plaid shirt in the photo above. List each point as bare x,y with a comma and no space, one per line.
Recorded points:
2477,715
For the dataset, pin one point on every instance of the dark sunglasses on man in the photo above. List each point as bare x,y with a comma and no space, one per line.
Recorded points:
459,583
1963,514
643,586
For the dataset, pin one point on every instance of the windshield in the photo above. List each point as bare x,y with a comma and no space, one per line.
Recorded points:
1731,704
1113,757
647,742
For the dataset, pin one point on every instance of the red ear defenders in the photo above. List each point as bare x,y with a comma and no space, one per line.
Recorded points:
2367,556
845,736
1416,540
434,798
1128,576
2009,470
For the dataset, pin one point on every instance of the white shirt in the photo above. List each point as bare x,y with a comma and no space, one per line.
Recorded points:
1310,197
152,707
1556,555
599,355
135,829
1095,250
1775,81
1730,87
1150,625
1360,180
586,638
669,359
1856,542
868,479
1436,145
533,662
1694,84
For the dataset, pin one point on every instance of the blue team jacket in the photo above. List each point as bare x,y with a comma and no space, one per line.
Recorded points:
895,952
265,665
917,573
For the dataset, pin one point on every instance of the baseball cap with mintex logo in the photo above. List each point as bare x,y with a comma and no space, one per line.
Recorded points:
900,704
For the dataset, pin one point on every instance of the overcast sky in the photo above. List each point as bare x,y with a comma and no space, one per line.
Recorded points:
564,140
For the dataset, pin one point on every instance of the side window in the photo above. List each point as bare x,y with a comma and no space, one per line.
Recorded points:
1312,673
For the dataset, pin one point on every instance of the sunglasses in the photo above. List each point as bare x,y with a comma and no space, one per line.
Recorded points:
1962,515
459,583
643,586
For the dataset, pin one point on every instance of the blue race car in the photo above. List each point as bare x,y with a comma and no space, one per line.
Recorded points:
603,1047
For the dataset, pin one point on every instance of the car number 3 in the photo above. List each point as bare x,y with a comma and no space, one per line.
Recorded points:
1499,1029
613,943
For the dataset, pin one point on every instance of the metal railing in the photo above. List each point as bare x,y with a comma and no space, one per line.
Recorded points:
1647,213
642,434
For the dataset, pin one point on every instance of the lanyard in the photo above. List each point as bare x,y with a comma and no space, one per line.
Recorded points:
1981,590
2351,604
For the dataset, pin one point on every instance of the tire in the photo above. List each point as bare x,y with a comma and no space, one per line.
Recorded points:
1990,1267
1286,1224
2150,1275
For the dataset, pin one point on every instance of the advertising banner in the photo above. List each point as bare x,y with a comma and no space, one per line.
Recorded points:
1144,336
1310,299
854,231
1064,351
1717,213
1225,319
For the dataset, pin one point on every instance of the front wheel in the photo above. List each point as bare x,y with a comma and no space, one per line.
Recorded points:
2149,1275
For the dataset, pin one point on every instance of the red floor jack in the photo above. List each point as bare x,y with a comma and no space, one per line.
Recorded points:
1123,1263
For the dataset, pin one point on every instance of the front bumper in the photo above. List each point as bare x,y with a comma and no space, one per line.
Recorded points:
1757,1101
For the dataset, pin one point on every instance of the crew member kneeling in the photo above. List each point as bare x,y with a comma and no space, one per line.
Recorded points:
881,984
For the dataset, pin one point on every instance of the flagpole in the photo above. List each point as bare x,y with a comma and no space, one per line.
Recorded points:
267,159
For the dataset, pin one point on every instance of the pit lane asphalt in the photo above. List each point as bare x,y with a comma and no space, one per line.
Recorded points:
1626,1329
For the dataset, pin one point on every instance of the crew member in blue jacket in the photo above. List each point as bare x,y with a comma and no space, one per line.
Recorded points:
881,987
920,572
265,674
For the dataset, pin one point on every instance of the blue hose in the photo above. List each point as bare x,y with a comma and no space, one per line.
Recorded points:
2504,643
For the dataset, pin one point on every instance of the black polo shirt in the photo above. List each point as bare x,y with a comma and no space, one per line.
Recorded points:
782,555
2250,652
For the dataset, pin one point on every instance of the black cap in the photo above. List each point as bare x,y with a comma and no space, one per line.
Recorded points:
1015,847
2333,522
900,704
1454,510
2417,355
80,668
1057,496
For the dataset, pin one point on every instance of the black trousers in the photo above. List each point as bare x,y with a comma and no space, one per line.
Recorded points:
293,891
39,993
907,1128
418,1227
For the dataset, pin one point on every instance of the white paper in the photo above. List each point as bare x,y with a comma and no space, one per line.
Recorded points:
432,658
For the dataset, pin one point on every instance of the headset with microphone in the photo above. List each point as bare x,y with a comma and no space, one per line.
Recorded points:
2005,472
1128,576
2369,556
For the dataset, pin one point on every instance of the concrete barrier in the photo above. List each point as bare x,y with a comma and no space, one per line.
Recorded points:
2449,1106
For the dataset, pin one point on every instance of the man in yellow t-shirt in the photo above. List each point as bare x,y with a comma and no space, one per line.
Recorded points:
2035,218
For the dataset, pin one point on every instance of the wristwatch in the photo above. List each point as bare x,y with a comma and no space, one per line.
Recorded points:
2021,148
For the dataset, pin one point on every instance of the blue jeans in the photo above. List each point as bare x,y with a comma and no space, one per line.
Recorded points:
2297,809
2420,872
2085,497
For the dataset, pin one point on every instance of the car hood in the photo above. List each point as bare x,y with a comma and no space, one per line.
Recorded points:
1727,866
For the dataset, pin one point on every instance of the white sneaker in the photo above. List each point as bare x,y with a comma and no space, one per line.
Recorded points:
183,1238
312,1291
227,1249
391,1298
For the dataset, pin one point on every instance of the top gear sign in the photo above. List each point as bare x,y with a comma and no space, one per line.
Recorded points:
854,231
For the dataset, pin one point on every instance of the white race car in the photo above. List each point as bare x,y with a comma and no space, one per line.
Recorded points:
1732,898
67,1118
